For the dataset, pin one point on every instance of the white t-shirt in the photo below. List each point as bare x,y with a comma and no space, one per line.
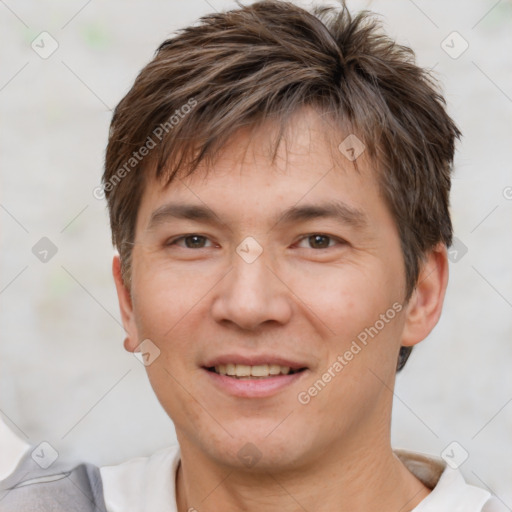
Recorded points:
147,484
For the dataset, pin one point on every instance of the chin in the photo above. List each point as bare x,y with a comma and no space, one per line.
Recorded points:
254,450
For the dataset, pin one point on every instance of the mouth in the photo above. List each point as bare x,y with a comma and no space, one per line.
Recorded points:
254,377
255,372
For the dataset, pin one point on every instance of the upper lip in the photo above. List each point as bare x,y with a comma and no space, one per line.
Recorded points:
253,360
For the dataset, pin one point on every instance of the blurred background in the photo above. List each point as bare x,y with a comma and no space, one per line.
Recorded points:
64,375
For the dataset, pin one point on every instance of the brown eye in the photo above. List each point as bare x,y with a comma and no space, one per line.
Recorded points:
319,241
191,241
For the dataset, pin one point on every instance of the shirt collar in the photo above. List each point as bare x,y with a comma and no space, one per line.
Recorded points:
449,489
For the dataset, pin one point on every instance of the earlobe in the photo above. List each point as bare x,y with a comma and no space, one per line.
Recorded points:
125,306
426,303
127,344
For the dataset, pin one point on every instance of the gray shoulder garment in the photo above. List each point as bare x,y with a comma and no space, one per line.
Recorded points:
62,487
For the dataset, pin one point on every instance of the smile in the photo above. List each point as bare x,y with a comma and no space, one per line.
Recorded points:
254,381
260,371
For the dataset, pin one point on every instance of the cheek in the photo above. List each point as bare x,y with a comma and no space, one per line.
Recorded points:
164,299
170,311
341,300
357,310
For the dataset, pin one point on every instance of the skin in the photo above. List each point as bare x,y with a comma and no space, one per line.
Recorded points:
299,299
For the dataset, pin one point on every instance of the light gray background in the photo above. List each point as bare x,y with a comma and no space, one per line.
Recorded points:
64,376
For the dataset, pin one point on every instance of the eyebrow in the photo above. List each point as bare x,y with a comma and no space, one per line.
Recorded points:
337,210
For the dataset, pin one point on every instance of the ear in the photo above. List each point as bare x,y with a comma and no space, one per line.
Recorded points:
426,303
125,305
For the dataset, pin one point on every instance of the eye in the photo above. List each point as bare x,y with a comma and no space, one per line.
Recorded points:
320,241
315,241
192,241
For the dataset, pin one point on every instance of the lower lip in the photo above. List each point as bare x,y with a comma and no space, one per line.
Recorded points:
254,388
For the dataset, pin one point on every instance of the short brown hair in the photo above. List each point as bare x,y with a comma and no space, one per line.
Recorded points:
269,59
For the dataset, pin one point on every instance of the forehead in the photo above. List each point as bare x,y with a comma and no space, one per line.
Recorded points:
313,161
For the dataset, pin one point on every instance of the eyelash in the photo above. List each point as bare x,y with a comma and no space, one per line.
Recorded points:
305,237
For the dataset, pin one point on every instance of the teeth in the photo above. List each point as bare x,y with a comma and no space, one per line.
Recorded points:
242,370
260,370
274,369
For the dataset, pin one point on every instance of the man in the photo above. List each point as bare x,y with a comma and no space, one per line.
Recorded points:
278,189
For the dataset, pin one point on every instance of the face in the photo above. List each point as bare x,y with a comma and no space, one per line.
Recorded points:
277,324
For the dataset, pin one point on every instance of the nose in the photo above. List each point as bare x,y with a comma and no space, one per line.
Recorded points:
252,294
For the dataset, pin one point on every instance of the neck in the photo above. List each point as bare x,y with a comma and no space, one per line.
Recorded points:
369,477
